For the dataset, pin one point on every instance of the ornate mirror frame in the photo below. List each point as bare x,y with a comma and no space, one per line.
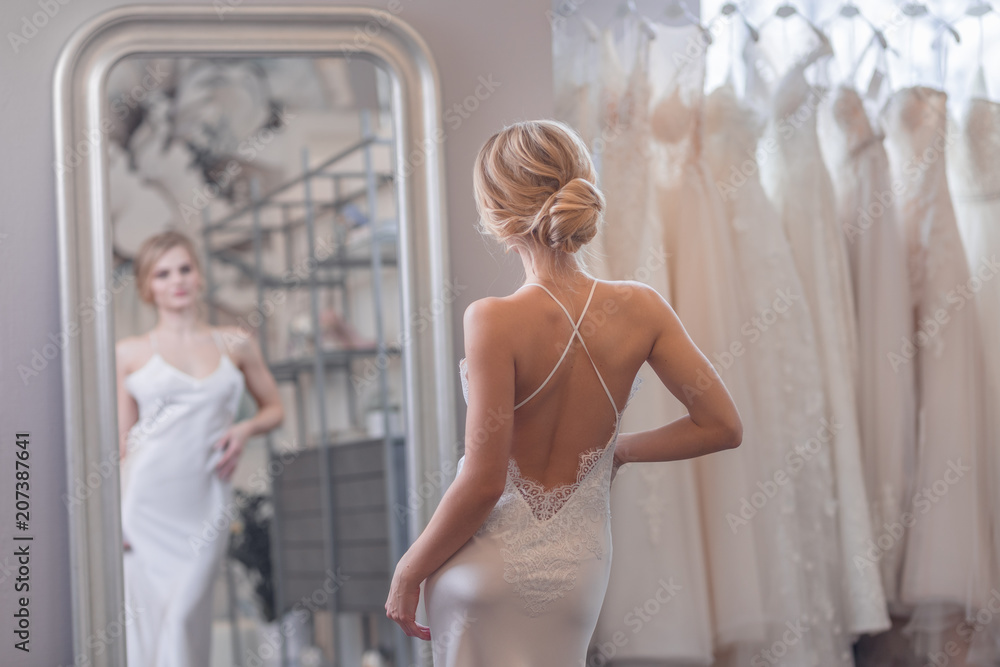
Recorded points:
85,257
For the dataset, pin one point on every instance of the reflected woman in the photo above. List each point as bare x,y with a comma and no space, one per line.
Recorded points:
179,388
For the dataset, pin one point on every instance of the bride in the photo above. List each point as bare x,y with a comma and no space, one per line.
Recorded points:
178,439
516,557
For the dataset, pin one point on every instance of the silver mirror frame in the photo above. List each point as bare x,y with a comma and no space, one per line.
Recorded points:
88,363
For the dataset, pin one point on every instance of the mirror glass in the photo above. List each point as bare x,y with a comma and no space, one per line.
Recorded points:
280,171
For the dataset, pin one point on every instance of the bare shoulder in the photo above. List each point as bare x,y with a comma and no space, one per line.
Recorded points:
487,313
632,294
240,343
129,350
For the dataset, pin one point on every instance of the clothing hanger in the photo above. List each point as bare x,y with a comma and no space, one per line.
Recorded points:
788,10
731,8
918,10
850,12
677,9
978,9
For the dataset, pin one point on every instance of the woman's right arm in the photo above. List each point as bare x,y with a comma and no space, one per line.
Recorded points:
128,410
712,423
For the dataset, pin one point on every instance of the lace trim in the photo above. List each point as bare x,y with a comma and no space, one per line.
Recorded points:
541,558
546,532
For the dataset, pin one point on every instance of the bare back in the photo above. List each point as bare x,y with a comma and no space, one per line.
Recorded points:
566,405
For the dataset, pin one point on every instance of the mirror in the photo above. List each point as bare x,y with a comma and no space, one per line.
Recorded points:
301,165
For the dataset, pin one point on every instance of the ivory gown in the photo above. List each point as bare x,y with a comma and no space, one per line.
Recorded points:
797,180
526,589
802,575
948,550
654,505
887,410
175,508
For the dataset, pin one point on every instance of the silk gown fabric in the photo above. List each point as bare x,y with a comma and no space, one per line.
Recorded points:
797,180
174,509
803,573
526,589
887,410
654,505
948,554
974,178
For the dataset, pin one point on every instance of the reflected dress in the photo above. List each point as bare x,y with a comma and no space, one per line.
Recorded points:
175,509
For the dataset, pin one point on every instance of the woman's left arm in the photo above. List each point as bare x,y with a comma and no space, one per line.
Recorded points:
488,436
270,412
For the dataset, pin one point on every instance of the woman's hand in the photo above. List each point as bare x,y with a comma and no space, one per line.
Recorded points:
401,606
231,443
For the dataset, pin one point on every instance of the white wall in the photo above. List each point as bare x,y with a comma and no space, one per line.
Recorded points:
509,41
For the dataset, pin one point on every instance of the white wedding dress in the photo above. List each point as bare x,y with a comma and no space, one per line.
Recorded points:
974,178
175,509
948,555
887,410
797,180
797,521
526,589
654,505
705,292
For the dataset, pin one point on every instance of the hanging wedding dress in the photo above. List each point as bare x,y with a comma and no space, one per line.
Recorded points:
704,292
175,508
654,505
974,178
789,399
887,412
576,48
526,589
798,182
945,573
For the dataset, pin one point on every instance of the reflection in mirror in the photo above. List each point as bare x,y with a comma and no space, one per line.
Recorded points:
279,171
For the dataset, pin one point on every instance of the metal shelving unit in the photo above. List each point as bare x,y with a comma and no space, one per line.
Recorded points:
329,467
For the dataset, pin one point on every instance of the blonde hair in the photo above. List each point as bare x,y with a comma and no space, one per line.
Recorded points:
151,250
535,179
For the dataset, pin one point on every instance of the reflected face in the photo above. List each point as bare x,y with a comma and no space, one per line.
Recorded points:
174,281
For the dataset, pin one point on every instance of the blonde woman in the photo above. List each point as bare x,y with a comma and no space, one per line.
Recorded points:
179,386
517,556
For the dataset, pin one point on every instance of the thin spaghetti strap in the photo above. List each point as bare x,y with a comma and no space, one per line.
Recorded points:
218,343
576,333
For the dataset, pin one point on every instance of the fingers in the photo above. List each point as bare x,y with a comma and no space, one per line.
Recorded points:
410,627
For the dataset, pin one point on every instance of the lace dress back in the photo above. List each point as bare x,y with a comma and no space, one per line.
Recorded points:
527,588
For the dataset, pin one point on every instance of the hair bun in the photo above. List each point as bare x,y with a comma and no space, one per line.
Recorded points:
569,217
